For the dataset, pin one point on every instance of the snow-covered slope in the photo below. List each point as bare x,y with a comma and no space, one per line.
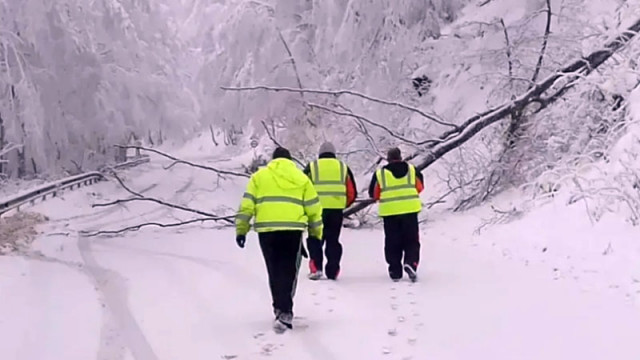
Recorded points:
190,293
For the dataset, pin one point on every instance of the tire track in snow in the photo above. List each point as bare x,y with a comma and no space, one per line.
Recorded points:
121,327
267,343
111,346
111,286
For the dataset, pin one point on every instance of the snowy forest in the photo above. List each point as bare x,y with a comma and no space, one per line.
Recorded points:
78,78
132,132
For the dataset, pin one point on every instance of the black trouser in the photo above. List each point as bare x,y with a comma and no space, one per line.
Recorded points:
401,237
332,224
281,251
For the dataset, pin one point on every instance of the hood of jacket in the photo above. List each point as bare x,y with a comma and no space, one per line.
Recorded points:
398,169
285,174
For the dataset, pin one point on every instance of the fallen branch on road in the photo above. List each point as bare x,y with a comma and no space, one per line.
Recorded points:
139,226
180,161
570,74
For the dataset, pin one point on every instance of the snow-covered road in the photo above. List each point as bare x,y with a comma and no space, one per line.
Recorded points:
190,293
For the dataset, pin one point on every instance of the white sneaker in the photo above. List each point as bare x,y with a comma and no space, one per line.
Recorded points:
315,275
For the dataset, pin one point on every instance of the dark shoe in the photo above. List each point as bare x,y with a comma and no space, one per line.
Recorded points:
286,319
332,272
411,272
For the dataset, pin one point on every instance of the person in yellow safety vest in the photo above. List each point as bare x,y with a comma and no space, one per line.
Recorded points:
336,188
284,203
397,187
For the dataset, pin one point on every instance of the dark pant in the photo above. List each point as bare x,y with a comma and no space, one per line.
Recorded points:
281,251
401,237
332,223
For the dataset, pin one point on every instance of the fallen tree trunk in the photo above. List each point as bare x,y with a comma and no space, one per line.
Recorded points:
570,73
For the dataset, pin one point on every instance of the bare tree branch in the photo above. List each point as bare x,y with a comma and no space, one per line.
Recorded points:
337,93
509,60
454,138
139,226
373,123
180,161
10,147
139,197
272,136
545,40
292,60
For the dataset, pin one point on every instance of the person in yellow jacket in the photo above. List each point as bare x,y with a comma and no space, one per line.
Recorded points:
336,186
397,187
284,203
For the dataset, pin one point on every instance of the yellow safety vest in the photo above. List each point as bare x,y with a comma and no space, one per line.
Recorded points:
281,197
398,196
329,176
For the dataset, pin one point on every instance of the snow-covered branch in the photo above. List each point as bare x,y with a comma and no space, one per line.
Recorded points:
9,148
337,93
180,161
455,138
375,124
147,224
545,41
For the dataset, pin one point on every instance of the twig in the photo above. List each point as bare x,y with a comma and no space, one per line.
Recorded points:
545,40
292,60
139,226
213,135
8,148
337,93
180,161
275,141
509,60
139,197
375,124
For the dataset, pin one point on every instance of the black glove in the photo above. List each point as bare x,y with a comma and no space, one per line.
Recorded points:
240,240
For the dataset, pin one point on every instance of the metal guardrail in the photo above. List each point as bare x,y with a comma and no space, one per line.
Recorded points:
52,189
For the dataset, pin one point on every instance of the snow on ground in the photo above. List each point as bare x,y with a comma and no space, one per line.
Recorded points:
191,293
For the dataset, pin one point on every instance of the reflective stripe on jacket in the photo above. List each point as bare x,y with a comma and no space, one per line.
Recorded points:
398,196
329,178
281,197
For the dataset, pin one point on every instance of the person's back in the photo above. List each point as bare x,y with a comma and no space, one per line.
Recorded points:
336,188
284,204
396,186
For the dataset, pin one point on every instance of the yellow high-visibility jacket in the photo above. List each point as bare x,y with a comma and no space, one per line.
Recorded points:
398,196
281,197
329,178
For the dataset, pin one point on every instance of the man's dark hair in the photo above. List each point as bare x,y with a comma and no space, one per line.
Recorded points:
281,152
394,154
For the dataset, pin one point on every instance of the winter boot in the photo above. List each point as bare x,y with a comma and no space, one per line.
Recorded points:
411,272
